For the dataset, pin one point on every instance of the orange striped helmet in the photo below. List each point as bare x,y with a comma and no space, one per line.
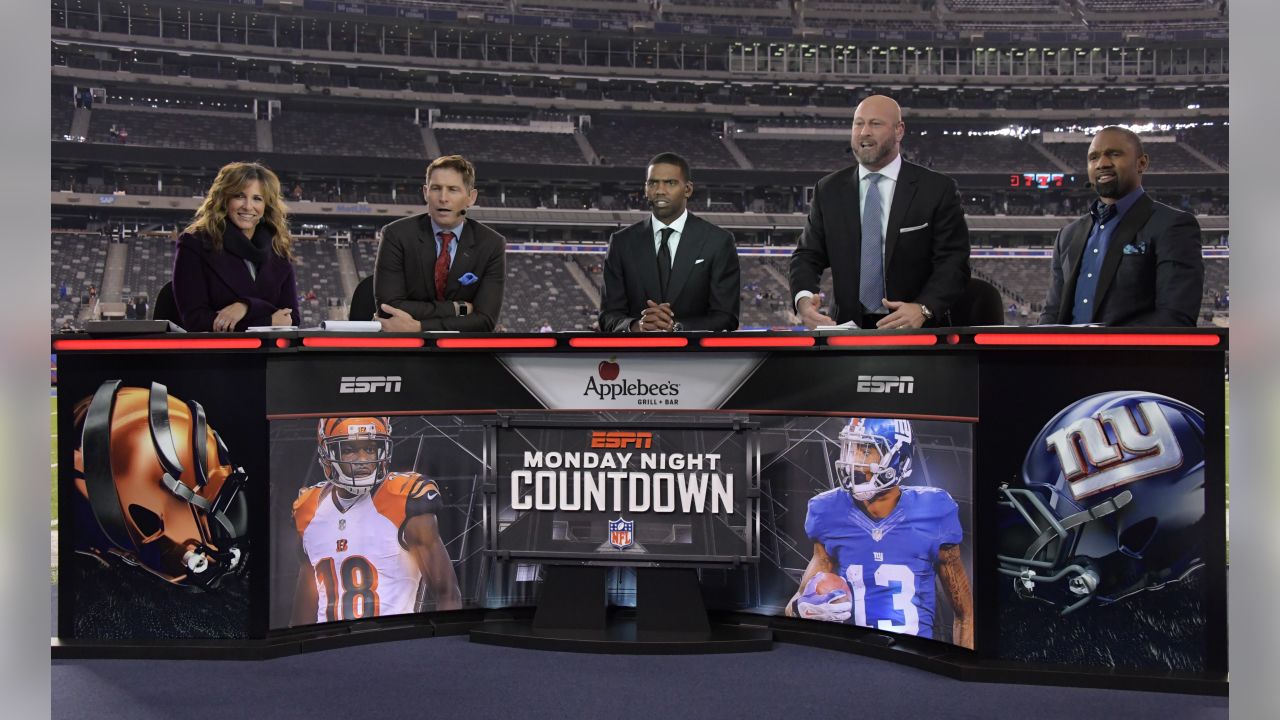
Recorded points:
354,452
160,483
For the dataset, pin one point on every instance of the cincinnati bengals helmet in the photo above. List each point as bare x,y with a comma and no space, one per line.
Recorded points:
333,434
892,438
160,483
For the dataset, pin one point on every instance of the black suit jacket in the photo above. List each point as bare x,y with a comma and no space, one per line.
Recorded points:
1152,274
404,274
926,246
704,289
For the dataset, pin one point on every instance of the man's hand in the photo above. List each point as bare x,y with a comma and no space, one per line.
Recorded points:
807,309
655,318
400,321
227,317
901,315
283,316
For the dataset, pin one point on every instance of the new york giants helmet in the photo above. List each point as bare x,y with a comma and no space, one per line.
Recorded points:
892,439
1111,502
357,477
161,486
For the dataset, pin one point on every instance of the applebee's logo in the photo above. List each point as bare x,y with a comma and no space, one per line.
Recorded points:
646,393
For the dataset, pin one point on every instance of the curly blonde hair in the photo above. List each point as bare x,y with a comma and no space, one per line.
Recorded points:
211,217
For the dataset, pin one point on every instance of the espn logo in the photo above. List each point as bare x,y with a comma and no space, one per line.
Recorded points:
904,384
352,384
621,439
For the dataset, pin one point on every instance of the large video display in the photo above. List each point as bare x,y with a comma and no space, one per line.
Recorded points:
864,521
626,486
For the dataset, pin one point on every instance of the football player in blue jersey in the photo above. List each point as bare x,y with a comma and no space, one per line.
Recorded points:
886,540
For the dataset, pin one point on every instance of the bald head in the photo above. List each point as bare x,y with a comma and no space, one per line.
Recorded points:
877,131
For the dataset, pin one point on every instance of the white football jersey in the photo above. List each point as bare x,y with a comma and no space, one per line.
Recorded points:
361,567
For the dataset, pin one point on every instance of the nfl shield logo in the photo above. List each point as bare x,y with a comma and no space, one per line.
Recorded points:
622,533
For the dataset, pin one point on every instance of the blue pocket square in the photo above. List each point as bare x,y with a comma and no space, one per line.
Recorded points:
470,278
1135,248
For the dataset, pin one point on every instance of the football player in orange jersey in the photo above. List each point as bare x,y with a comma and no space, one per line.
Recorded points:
369,535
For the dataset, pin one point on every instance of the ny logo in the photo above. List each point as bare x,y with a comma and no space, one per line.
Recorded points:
1091,463
342,545
877,556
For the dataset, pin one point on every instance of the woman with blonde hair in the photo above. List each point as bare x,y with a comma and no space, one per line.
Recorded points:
233,266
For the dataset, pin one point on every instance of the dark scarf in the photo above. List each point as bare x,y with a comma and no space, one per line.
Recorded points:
255,250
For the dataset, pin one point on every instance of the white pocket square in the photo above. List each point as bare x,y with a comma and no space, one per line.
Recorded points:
695,262
910,229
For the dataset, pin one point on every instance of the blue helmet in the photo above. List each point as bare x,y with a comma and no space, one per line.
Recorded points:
892,440
1111,501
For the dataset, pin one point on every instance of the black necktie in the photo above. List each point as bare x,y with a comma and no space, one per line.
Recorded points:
664,262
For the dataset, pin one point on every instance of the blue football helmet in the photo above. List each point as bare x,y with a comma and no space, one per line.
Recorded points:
891,439
1111,501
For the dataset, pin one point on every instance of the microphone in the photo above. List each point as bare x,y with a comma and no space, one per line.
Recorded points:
462,211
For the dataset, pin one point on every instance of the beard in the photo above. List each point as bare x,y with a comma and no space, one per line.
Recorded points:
874,155
1109,189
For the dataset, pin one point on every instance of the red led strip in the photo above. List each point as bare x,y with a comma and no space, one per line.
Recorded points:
495,343
757,342
1098,339
357,342
606,343
160,344
868,340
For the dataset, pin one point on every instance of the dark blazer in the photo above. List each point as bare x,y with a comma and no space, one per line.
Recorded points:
404,274
926,246
704,289
205,281
1152,274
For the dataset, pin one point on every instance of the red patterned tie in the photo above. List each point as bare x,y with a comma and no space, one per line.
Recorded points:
442,263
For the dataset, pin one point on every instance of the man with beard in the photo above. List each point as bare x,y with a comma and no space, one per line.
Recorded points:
672,271
892,232
1131,260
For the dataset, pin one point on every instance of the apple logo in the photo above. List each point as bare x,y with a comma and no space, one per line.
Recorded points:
609,369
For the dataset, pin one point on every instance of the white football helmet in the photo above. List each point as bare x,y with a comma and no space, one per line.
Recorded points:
361,470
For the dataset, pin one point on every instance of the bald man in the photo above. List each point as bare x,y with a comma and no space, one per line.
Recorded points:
892,232
1131,260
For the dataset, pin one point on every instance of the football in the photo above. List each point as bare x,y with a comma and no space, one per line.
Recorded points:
823,583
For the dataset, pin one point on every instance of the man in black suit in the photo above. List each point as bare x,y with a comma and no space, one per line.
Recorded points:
892,232
438,270
1131,260
672,271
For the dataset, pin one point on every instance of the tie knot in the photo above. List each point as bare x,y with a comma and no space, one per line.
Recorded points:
446,237
667,233
874,177
1105,212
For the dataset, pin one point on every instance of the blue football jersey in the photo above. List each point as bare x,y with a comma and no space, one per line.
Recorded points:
889,564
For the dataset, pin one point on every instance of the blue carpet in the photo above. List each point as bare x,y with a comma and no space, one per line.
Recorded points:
452,678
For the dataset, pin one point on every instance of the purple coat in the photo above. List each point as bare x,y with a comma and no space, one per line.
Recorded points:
205,281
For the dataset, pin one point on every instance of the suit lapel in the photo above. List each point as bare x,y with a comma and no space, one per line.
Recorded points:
1133,221
851,214
1078,238
464,259
427,255
689,250
233,271
902,196
646,258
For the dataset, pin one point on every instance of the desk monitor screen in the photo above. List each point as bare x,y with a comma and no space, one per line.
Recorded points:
626,487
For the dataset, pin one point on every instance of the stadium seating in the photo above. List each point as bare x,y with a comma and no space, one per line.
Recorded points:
632,141
539,290
78,261
347,134
173,129
512,146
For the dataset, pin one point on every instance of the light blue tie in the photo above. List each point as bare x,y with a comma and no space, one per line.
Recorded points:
871,285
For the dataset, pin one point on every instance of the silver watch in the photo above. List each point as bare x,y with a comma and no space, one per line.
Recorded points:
924,310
